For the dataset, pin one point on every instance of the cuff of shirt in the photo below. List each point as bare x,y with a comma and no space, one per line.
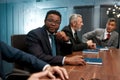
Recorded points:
47,65
63,60
68,42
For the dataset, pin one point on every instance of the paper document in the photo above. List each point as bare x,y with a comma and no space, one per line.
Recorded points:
91,51
93,60
102,48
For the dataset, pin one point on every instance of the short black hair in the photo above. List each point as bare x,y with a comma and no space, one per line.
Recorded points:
53,12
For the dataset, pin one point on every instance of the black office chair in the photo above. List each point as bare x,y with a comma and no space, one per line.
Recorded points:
19,72
17,75
18,41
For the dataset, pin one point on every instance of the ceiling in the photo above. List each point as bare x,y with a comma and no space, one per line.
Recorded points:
14,1
7,1
10,1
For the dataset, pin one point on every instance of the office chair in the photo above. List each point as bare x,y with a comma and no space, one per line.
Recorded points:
17,76
18,41
19,72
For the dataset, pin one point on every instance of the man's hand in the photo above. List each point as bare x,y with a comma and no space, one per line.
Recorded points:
57,70
91,45
50,72
62,36
39,75
75,60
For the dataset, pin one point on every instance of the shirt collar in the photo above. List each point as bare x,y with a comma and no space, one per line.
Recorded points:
49,33
73,31
106,31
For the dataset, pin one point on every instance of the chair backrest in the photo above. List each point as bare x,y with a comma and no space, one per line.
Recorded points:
18,41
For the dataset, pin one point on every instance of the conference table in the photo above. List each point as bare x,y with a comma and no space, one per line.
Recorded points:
108,70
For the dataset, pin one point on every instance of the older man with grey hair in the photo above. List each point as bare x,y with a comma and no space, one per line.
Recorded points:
75,24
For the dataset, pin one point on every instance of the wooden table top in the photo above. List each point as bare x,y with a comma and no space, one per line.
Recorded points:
109,70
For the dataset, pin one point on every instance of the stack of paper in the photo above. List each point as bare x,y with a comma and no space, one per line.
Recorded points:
90,51
93,60
102,48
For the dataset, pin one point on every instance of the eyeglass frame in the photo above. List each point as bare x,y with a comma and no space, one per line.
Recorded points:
52,21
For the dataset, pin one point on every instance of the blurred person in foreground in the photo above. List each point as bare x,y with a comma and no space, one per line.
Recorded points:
11,54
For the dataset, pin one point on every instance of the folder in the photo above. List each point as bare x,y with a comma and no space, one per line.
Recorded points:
93,60
91,51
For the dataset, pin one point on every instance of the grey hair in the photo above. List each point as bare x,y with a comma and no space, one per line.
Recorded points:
74,17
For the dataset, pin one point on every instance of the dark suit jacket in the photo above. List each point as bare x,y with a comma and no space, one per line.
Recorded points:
11,54
39,45
77,44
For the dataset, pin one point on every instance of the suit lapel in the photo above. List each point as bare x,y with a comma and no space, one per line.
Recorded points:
70,31
46,38
102,34
75,37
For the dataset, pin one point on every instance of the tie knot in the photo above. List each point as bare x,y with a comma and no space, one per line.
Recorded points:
75,35
75,32
51,36
108,35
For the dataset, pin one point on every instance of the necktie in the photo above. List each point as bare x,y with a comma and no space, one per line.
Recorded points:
108,36
75,35
53,45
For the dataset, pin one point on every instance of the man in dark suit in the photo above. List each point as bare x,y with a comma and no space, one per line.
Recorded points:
11,54
75,24
39,42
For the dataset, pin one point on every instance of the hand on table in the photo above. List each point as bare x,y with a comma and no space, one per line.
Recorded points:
75,60
50,72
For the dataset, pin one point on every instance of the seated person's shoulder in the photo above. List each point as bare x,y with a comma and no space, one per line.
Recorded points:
99,29
115,32
34,31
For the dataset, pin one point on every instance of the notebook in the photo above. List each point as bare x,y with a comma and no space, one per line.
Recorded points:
91,51
93,60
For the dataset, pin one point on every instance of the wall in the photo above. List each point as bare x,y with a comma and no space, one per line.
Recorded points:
20,17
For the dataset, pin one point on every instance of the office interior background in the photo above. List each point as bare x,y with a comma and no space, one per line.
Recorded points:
21,16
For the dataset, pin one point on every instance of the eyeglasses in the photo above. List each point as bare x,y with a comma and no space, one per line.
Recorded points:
52,21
